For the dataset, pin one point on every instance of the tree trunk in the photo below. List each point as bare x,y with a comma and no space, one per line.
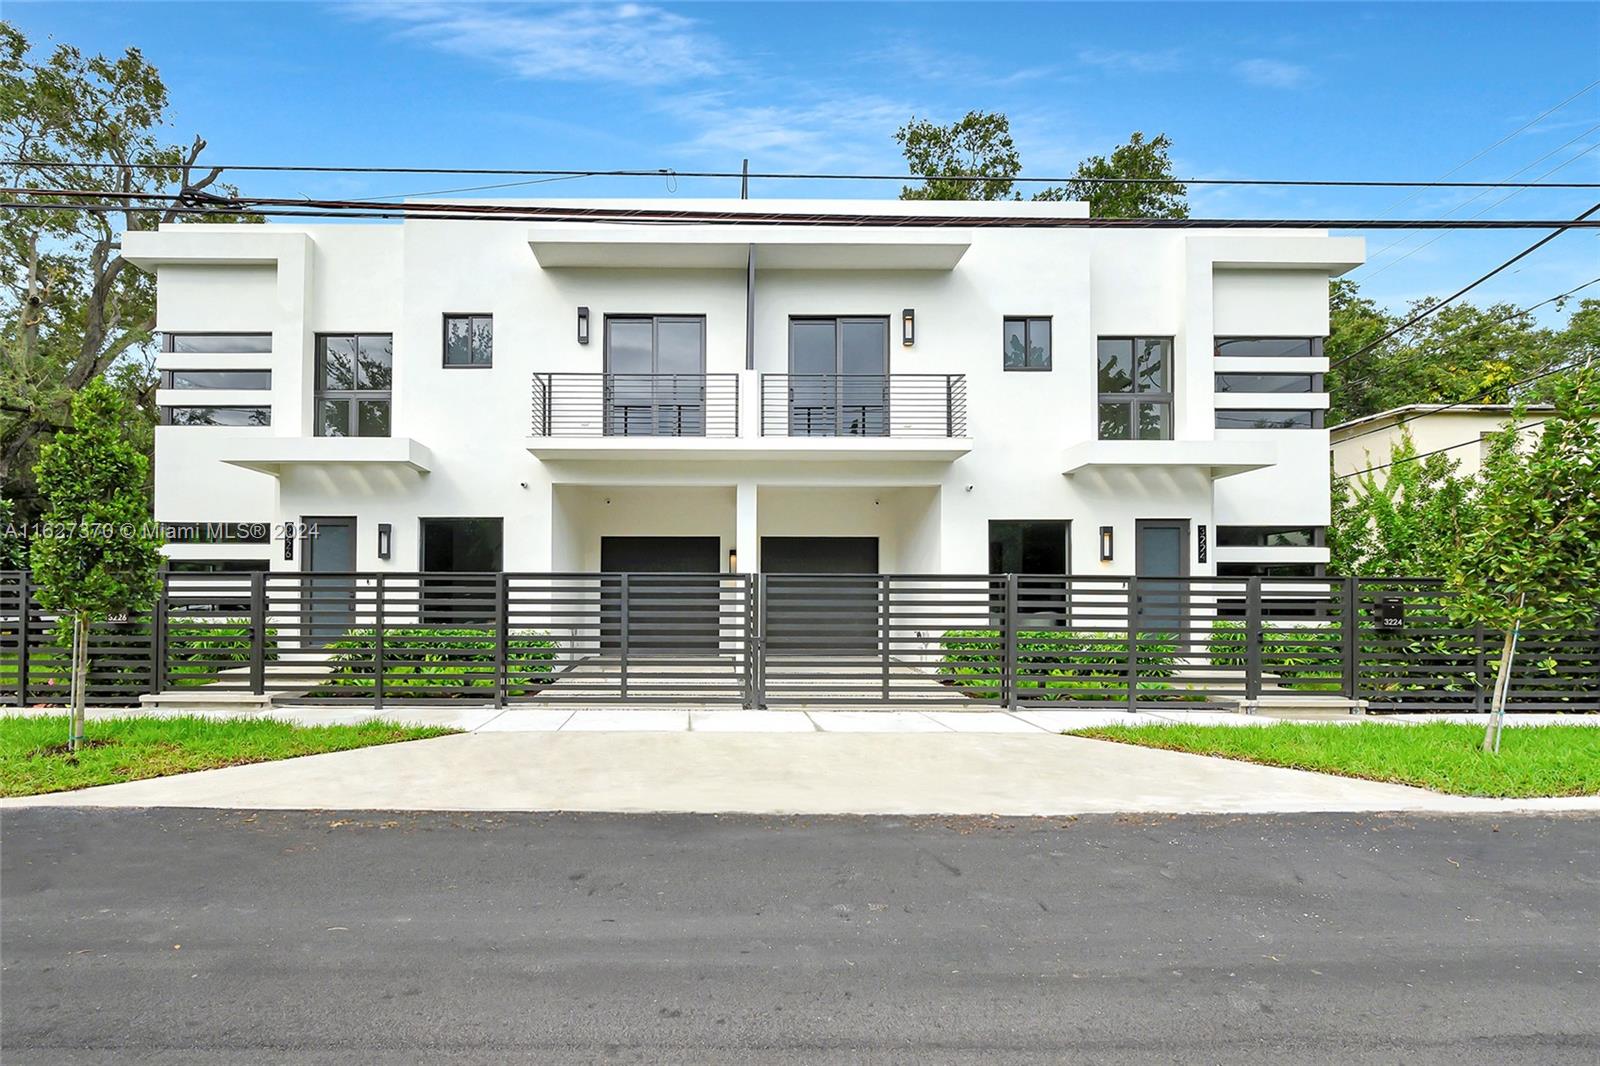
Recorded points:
80,677
1502,689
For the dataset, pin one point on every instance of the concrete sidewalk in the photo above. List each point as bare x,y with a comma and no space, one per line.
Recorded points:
803,773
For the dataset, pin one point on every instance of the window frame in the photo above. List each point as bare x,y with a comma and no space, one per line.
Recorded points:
1135,398
1315,380
1027,343
1315,349
169,339
353,396
1318,419
444,343
166,379
1244,536
167,409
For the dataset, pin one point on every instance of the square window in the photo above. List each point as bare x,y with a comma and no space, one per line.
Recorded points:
338,364
1116,365
1027,344
1153,370
375,357
1116,421
333,418
468,340
372,418
1155,421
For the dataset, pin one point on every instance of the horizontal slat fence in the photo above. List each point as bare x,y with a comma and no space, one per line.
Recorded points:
792,640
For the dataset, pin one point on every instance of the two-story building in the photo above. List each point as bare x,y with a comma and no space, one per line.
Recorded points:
764,396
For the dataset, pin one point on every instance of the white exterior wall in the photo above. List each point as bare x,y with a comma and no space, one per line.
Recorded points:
1458,433
934,499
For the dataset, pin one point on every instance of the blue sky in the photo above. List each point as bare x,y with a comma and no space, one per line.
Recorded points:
1244,90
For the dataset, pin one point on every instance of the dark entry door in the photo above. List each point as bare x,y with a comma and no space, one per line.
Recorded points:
816,603
670,606
330,600
1162,551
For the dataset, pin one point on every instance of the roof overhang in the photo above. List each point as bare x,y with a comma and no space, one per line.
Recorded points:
728,248
785,449
1219,458
270,455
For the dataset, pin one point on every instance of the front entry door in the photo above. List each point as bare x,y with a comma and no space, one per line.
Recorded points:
1162,551
670,606
815,602
329,601
838,377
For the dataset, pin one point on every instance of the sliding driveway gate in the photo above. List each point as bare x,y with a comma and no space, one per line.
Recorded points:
790,640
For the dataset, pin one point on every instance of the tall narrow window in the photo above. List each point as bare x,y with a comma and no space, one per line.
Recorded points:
1027,344
468,340
1135,388
355,374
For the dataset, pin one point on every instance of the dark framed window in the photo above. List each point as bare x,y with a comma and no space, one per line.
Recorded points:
1027,344
1275,418
469,340
1269,382
1268,347
1038,550
1135,381
216,343
355,373
216,379
1270,536
216,416
462,546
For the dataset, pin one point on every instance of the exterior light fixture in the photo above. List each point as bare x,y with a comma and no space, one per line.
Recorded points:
385,539
1105,544
583,325
733,560
908,327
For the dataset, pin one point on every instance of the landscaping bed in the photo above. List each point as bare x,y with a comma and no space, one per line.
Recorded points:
33,757
1443,756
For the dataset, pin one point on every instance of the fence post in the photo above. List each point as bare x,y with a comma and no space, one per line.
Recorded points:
1133,643
24,625
258,633
883,632
378,665
1352,636
502,638
622,609
757,650
1253,637
1480,666
158,634
1010,682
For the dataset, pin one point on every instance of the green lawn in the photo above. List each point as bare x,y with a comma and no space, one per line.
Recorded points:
1533,760
33,757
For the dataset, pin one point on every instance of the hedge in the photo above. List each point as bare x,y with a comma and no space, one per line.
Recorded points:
437,660
1058,664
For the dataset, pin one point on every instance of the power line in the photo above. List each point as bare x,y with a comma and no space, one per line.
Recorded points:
1440,408
1577,223
1424,455
659,172
475,211
1482,326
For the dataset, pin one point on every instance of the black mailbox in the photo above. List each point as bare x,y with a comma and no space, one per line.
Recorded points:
1391,612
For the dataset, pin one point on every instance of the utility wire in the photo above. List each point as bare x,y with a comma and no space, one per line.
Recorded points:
101,201
1482,326
1425,312
659,172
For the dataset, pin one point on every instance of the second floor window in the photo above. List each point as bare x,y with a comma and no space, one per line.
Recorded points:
1027,344
1135,388
355,373
468,340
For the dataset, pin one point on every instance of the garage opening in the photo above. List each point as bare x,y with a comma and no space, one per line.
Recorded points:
816,603
670,608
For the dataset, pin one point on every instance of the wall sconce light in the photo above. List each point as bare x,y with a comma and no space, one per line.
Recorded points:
583,325
385,539
733,560
1105,544
908,327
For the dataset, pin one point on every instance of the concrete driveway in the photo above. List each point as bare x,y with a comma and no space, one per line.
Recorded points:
788,773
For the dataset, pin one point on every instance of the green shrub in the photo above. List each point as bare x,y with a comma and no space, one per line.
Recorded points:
1057,664
198,651
425,660
1299,656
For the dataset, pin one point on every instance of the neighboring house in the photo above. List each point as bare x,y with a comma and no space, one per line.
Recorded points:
1459,431
486,395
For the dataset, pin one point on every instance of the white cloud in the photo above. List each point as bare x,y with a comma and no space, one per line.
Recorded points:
817,129
1272,73
633,44
1131,62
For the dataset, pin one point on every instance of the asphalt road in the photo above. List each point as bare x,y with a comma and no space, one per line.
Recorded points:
238,937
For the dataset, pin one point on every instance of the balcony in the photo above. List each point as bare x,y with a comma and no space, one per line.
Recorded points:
864,405
804,418
635,405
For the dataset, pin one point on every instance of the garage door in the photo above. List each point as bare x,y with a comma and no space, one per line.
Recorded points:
816,603
669,608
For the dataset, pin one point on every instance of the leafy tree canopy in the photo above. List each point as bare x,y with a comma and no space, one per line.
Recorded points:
70,306
1158,196
1405,520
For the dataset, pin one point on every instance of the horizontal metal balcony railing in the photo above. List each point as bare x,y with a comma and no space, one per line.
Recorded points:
863,405
635,405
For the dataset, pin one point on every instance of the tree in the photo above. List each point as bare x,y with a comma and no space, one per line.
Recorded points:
70,306
1405,520
978,145
98,553
1532,557
1158,195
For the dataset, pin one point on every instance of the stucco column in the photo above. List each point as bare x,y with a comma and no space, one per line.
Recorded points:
746,533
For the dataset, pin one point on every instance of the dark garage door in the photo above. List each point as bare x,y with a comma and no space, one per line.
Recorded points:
669,608
815,603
